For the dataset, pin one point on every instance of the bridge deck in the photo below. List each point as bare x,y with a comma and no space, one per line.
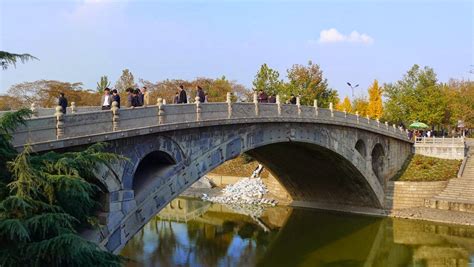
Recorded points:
59,131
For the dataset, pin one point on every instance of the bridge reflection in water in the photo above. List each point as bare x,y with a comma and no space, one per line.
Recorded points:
194,233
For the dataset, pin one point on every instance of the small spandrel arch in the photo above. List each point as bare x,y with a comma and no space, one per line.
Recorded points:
361,148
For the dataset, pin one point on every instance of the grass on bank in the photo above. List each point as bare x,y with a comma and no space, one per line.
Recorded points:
419,168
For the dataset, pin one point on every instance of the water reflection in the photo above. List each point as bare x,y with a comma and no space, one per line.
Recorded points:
194,233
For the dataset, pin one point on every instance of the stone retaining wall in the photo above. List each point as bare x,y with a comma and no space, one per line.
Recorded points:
402,195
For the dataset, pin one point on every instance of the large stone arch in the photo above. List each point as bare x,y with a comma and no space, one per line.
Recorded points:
198,151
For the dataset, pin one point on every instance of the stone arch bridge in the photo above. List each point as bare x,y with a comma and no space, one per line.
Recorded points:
325,158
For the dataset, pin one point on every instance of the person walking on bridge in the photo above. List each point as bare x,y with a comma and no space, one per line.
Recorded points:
200,94
183,98
116,97
106,100
62,101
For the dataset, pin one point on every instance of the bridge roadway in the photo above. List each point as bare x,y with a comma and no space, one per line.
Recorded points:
324,158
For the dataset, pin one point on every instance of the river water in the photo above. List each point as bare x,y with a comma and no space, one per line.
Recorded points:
191,232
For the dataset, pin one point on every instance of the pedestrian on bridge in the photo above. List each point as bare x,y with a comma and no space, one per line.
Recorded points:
183,99
200,94
106,100
116,97
62,101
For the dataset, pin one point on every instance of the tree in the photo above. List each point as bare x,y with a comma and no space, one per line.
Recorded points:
267,80
374,109
104,83
416,97
7,59
44,93
345,105
125,81
360,105
460,100
44,199
308,83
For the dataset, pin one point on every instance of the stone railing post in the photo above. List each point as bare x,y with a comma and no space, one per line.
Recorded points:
386,125
357,116
34,110
394,127
59,122
73,108
115,116
378,123
255,101
164,101
229,105
345,113
331,109
298,105
368,119
278,102
315,104
161,111
198,108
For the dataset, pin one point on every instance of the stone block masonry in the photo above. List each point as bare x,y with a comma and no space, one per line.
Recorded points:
401,195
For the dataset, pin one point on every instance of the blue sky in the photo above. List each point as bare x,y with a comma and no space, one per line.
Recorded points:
355,41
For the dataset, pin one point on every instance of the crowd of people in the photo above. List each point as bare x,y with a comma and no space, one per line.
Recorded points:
140,97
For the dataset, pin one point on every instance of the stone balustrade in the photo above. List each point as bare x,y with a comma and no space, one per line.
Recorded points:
53,131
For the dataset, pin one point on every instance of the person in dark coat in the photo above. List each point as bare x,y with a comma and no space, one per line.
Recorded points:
272,99
183,98
116,97
293,99
135,98
62,101
200,94
262,97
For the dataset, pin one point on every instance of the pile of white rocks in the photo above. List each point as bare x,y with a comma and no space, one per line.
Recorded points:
248,191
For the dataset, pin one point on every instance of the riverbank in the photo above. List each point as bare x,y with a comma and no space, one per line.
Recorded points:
434,215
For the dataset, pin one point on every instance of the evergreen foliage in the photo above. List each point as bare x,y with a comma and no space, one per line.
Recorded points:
268,80
104,83
45,199
7,59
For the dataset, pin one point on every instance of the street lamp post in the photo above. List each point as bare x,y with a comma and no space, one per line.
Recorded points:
352,88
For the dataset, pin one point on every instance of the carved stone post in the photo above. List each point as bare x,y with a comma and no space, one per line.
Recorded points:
73,108
115,116
378,122
59,122
394,127
198,108
357,116
278,102
298,105
386,125
331,109
161,110
229,105
345,113
315,104
255,101
164,101
368,119
34,110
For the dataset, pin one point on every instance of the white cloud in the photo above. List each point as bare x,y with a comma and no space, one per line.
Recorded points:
334,36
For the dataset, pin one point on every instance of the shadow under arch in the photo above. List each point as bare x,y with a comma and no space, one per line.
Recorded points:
378,157
315,174
154,165
361,148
